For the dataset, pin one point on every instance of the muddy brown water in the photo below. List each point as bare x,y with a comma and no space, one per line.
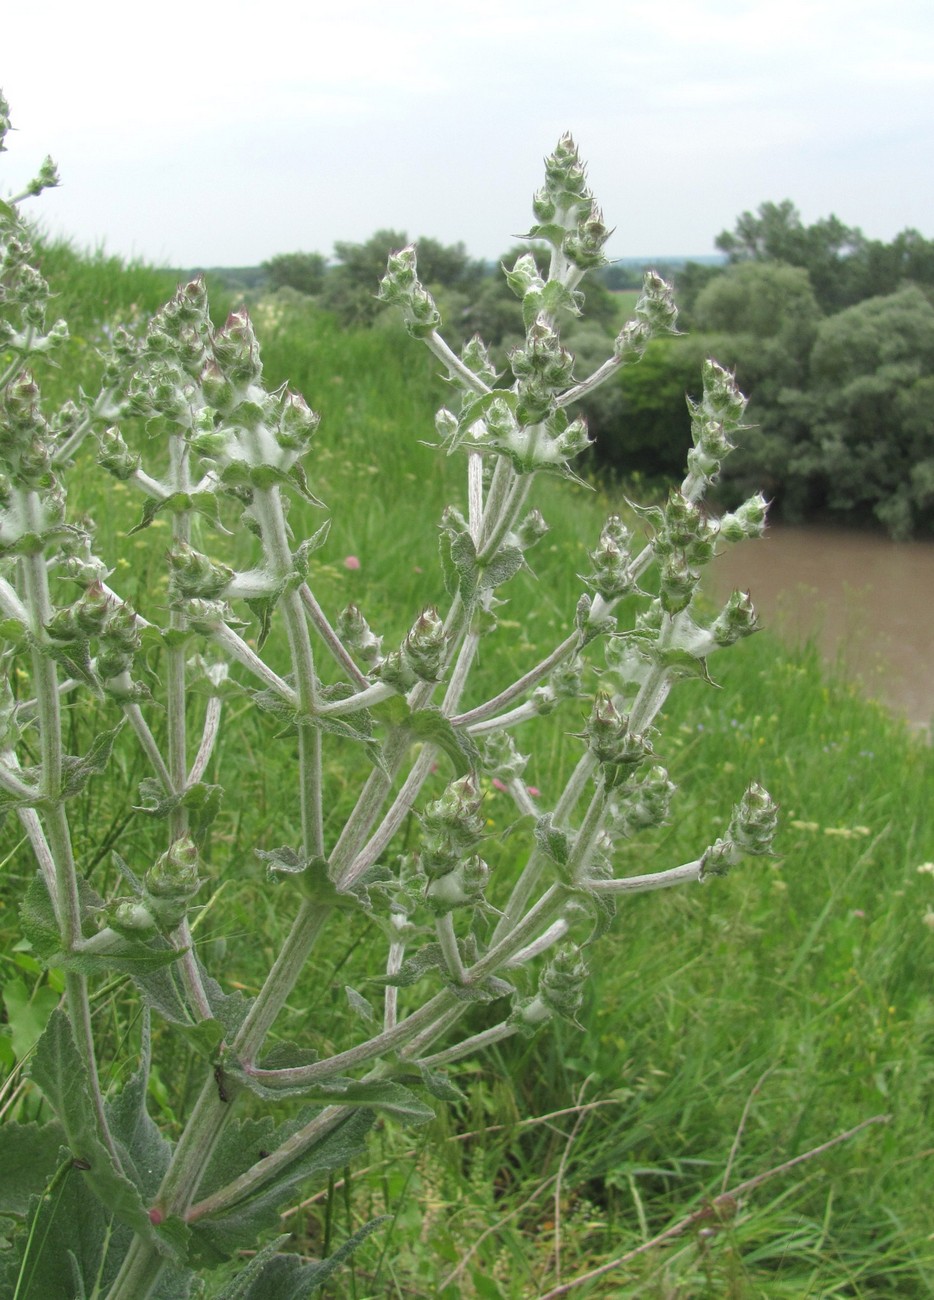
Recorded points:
869,602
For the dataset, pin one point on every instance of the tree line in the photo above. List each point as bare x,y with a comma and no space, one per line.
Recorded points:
831,335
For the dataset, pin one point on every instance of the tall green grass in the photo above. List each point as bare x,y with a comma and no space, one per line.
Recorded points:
726,1029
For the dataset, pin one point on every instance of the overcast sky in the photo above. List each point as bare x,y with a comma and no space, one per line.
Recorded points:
201,133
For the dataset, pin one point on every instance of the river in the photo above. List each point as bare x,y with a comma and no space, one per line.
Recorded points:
868,600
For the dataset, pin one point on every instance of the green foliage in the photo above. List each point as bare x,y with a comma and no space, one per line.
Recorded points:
303,272
844,266
868,413
765,300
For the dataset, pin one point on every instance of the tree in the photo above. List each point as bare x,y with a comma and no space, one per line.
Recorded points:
833,254
845,267
869,412
764,300
302,271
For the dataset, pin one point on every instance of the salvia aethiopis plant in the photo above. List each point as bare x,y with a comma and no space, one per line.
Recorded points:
103,1202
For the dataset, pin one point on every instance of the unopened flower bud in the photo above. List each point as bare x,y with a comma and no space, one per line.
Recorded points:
297,423
747,521
476,357
94,610
678,583
175,873
355,633
584,246
401,287
237,351
564,683
755,821
195,576
115,456
736,620
451,827
561,985
609,738
462,886
423,647
611,576
131,917
751,831
531,530
524,276
219,392
501,758
573,440
642,803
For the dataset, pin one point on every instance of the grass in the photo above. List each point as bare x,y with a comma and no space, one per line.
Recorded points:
726,1029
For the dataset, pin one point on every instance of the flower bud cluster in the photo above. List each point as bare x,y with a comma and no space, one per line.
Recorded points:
611,576
684,543
452,826
357,636
476,357
609,738
541,367
714,419
462,886
544,446
655,315
745,522
420,658
168,888
640,803
115,456
193,576
564,683
25,437
530,530
501,758
25,294
401,287
751,832
565,210
208,383
736,620
98,615
560,989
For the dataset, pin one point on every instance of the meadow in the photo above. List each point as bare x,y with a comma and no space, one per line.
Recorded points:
726,1030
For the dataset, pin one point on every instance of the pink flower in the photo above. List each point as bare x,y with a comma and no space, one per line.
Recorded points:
351,562
533,791
497,784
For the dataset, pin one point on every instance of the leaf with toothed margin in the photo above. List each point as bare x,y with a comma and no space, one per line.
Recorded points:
383,1095
59,1070
437,1084
554,841
271,1275
244,1145
430,726
681,663
360,1007
312,875
201,800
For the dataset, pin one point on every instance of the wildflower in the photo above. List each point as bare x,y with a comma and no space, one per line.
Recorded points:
926,869
351,562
